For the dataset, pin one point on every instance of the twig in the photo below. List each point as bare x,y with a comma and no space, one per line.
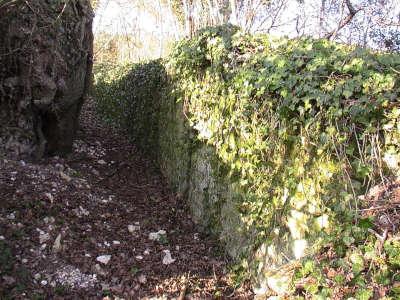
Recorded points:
394,70
383,239
5,3
108,175
391,223
374,208
183,290
345,21
62,11
30,7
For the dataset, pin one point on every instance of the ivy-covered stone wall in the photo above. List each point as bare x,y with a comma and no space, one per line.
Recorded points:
274,143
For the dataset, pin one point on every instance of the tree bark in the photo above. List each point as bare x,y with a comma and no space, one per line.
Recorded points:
46,57
234,12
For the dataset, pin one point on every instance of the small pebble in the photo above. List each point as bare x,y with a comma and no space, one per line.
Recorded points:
167,260
156,236
8,280
11,216
44,237
65,177
142,279
51,198
132,228
104,259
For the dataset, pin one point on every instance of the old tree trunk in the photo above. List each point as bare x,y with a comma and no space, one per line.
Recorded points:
46,50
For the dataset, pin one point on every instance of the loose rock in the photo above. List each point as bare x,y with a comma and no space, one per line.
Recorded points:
142,279
104,259
44,237
156,236
167,260
57,244
133,228
8,280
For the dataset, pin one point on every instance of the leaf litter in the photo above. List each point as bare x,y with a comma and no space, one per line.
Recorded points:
98,223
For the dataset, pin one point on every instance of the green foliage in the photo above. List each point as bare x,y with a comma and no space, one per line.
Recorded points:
302,127
354,268
392,247
6,258
61,290
295,120
134,270
128,97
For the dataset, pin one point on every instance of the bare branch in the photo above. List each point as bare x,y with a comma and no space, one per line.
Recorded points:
345,21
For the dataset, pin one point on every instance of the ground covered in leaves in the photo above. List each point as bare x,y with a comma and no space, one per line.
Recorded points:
101,223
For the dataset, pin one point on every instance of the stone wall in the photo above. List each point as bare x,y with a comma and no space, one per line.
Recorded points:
194,171
264,149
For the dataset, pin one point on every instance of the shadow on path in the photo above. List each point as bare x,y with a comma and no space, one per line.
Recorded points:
60,215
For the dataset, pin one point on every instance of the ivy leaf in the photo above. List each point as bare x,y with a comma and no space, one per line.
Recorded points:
366,223
348,240
347,93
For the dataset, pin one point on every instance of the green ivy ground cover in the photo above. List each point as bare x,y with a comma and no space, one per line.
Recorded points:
302,128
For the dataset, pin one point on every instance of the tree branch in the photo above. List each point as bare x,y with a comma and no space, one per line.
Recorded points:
345,21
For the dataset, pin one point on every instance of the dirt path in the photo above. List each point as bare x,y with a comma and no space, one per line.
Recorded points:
88,226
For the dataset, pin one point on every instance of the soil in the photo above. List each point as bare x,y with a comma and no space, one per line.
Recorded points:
78,228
